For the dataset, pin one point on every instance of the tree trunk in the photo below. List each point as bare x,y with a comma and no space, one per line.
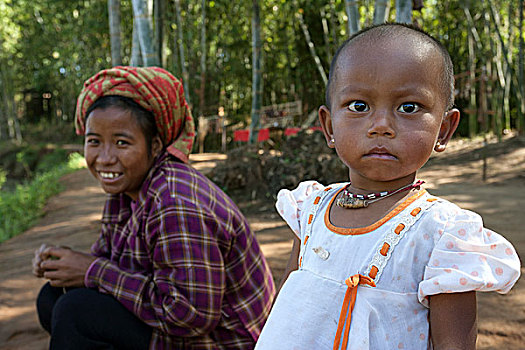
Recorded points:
184,69
381,9
501,70
204,51
256,73
5,109
404,11
143,19
14,120
9,104
473,44
498,125
492,71
334,24
472,117
521,78
159,28
136,56
352,11
326,35
508,72
311,46
3,122
114,31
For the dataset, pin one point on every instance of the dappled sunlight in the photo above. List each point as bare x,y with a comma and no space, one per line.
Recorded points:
75,220
7,313
276,249
204,162
264,225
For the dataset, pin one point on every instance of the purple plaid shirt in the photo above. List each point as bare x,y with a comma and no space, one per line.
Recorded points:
184,260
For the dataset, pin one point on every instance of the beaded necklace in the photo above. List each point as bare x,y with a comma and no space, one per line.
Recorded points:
350,200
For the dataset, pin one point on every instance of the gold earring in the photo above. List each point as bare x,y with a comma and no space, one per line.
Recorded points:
332,140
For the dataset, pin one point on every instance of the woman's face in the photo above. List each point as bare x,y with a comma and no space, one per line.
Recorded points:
116,151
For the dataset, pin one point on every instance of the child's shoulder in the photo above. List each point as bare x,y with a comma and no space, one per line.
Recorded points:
305,192
445,210
290,203
305,189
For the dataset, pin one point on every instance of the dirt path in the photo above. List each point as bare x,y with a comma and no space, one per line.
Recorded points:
73,219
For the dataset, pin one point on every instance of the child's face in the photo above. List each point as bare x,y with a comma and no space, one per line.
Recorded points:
387,111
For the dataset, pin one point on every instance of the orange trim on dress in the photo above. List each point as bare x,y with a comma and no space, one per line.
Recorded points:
399,228
384,249
415,211
374,226
348,306
310,218
373,272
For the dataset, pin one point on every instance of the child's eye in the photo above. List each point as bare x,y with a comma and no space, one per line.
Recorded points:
409,107
122,143
358,106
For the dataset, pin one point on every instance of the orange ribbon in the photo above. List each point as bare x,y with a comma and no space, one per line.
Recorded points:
351,293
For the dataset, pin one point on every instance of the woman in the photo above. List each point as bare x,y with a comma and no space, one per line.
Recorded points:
176,265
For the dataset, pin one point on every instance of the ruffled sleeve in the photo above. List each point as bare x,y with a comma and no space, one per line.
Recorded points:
290,204
469,257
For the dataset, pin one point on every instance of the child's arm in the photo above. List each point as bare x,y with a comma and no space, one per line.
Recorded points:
292,261
453,321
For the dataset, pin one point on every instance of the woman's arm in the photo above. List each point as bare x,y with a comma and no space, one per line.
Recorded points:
292,261
183,294
453,321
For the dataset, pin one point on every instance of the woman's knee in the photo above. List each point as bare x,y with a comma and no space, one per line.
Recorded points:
76,307
91,317
45,303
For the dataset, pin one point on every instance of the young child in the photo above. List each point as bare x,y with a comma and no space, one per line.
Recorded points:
378,262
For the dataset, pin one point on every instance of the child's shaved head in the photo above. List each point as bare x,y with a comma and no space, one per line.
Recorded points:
376,34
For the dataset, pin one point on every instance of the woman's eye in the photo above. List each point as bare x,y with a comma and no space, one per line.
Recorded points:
122,143
91,141
409,107
358,106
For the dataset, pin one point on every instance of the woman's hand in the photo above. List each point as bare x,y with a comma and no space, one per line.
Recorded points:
38,259
64,267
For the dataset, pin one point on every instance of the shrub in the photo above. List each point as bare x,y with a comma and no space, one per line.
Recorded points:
22,206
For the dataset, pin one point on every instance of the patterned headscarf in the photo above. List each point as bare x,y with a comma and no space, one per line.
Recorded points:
153,88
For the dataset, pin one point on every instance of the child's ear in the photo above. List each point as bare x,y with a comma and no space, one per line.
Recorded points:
448,126
325,120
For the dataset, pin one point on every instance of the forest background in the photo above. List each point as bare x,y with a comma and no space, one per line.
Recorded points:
245,65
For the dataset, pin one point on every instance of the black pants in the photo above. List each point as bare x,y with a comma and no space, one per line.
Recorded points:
86,319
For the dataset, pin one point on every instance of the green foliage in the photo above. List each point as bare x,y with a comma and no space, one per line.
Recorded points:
47,132
53,46
21,207
3,177
49,160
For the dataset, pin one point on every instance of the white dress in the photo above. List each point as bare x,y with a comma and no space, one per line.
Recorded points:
425,246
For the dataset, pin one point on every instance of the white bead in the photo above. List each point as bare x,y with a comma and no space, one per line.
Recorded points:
321,252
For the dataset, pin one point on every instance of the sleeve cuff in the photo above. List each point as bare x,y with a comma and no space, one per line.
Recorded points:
94,272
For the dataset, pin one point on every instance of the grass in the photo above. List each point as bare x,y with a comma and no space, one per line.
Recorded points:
20,207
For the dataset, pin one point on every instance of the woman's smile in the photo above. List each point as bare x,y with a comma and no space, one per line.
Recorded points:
109,175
